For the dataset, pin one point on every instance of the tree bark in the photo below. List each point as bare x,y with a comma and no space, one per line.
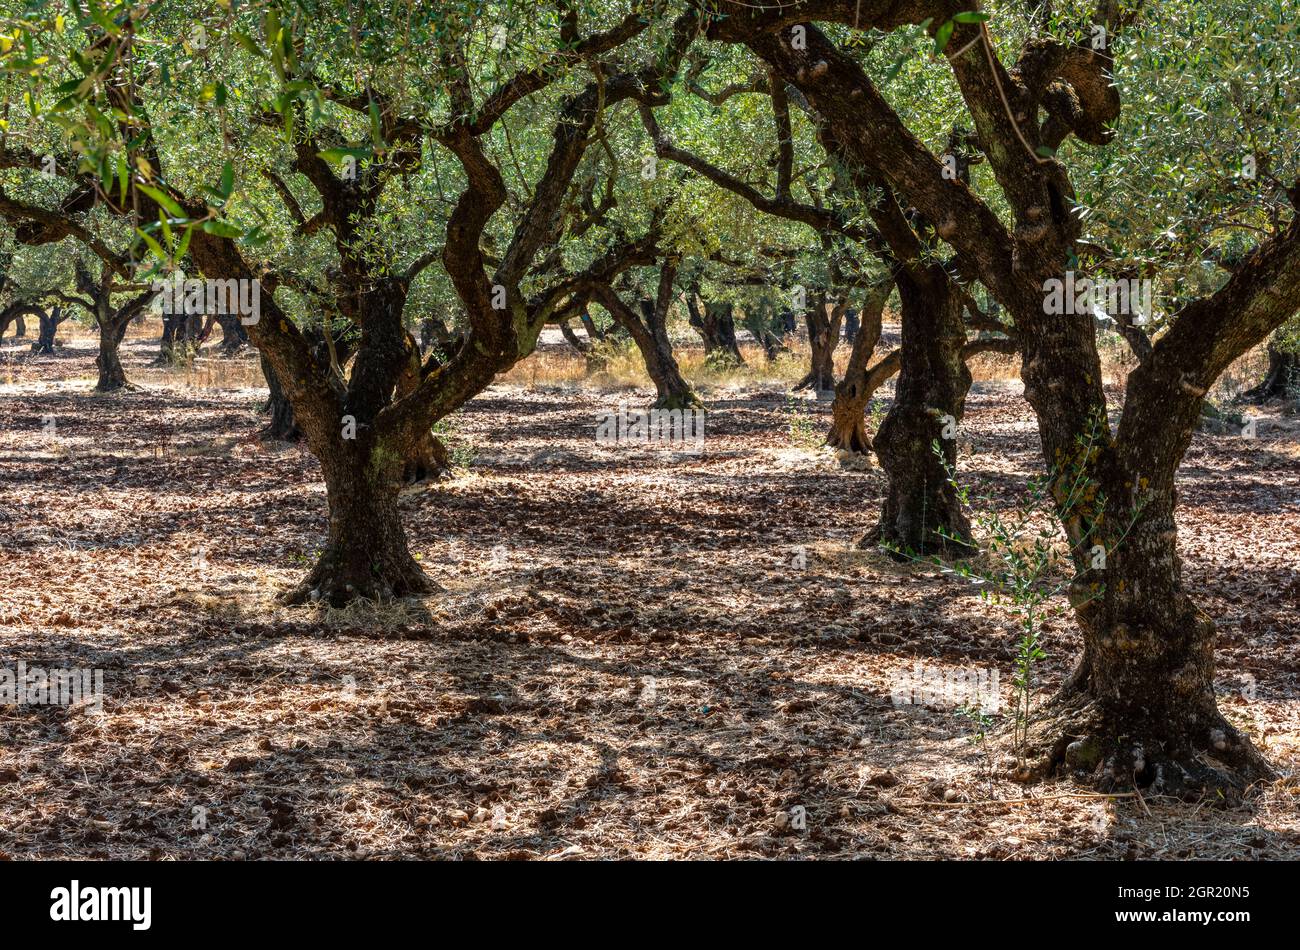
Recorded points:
759,321
593,357
852,324
650,333
1280,381
49,327
109,362
426,459
233,335
716,326
180,337
674,392
823,337
853,393
366,553
1140,707
922,511
14,314
282,426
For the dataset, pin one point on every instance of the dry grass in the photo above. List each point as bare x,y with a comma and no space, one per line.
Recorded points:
559,366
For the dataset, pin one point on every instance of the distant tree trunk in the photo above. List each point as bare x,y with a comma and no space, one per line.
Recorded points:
922,512
180,336
854,392
14,313
327,352
112,321
772,344
233,334
593,331
595,359
1281,380
426,458
852,323
649,331
717,327
434,334
282,425
674,392
823,336
49,326
427,337
758,321
109,362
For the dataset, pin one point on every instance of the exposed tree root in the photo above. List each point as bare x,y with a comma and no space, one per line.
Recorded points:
1205,758
683,400
332,582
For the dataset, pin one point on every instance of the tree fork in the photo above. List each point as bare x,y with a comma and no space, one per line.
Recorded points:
853,393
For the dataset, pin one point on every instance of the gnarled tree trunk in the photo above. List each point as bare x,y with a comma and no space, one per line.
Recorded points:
717,327
823,337
180,337
922,511
649,331
1281,380
674,392
282,426
594,358
14,313
853,393
109,361
426,458
759,322
1140,707
233,334
49,327
366,553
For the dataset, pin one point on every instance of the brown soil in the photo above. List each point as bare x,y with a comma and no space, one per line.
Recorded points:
624,659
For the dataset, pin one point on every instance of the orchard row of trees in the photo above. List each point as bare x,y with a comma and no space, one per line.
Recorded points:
475,171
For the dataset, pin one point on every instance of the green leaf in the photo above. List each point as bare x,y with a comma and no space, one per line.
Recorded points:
376,126
185,242
164,199
227,179
222,229
248,43
154,246
103,19
337,155
942,36
123,174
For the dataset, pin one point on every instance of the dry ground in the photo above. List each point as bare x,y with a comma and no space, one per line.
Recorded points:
624,660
